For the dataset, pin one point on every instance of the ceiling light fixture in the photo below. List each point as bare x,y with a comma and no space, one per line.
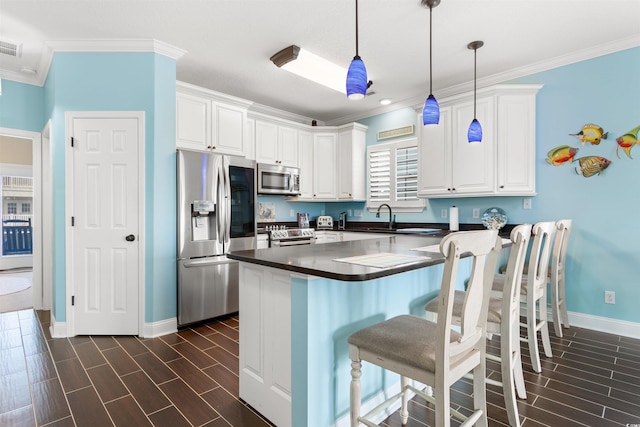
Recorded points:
357,83
385,101
475,130
305,64
431,110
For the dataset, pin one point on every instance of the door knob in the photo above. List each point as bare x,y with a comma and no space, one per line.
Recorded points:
130,238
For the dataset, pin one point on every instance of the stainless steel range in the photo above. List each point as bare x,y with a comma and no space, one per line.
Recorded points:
291,237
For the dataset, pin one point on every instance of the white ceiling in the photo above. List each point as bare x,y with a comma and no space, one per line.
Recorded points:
228,42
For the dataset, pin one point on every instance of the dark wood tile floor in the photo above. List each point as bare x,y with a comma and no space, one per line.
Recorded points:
185,379
593,379
191,379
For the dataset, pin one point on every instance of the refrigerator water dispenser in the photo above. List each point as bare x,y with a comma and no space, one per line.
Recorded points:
203,220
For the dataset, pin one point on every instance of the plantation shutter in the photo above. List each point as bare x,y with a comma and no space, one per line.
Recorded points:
407,173
380,175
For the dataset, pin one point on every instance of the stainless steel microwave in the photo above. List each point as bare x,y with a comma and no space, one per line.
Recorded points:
273,179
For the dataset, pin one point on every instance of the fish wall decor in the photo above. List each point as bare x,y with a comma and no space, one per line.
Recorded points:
590,133
561,154
592,165
627,141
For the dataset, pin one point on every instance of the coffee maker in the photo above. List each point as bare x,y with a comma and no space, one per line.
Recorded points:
342,221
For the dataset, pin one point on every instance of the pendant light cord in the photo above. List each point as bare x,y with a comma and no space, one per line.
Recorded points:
475,55
357,54
430,50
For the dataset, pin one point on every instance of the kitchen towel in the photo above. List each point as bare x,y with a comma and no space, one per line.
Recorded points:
453,219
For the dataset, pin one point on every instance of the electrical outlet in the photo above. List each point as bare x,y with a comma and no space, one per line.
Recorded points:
526,203
609,297
357,212
476,212
443,213
291,213
349,212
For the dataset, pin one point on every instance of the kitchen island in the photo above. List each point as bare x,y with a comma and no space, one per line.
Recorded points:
298,305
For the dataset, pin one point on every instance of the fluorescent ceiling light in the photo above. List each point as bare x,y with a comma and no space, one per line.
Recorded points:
311,66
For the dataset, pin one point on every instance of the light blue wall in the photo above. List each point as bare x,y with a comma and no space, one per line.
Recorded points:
21,106
121,82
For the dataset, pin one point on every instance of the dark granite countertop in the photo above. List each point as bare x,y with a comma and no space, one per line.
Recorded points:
318,260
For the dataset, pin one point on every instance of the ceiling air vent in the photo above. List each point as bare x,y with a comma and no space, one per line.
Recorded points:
394,133
10,48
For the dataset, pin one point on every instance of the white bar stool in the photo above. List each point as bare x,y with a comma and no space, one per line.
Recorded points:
503,317
433,353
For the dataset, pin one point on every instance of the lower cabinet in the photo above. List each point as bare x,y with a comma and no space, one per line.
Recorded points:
265,342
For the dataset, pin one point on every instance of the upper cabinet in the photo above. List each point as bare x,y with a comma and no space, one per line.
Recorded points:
276,144
503,164
351,162
209,121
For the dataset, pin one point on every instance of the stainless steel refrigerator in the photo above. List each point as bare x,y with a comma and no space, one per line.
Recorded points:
216,214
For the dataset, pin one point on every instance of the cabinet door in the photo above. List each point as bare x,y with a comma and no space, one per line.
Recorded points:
266,142
265,342
193,126
228,129
516,135
434,153
305,163
287,146
351,164
473,165
324,166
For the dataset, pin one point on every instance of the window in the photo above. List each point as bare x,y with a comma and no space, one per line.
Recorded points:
12,208
393,176
26,208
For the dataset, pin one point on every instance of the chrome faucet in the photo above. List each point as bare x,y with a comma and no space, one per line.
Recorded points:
391,218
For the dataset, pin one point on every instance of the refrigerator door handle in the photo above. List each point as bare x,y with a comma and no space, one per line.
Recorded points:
207,261
220,217
227,207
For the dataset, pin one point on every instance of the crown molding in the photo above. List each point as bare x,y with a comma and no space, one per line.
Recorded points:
106,45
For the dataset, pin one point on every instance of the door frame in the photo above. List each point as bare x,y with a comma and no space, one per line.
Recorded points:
69,203
36,254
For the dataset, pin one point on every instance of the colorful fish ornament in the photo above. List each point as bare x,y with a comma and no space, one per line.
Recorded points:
592,165
627,141
590,133
561,155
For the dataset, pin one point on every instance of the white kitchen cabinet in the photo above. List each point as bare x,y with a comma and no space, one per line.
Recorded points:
276,144
473,165
228,129
305,163
324,166
516,136
208,121
502,164
193,124
265,336
351,162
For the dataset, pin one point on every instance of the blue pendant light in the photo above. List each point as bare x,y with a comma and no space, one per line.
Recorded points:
431,110
357,83
475,130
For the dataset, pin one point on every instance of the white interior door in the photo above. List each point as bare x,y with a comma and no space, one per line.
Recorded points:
105,226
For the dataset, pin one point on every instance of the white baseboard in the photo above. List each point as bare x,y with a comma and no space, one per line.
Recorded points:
162,327
605,324
57,329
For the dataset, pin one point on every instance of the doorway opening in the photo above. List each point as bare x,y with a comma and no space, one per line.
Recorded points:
21,282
